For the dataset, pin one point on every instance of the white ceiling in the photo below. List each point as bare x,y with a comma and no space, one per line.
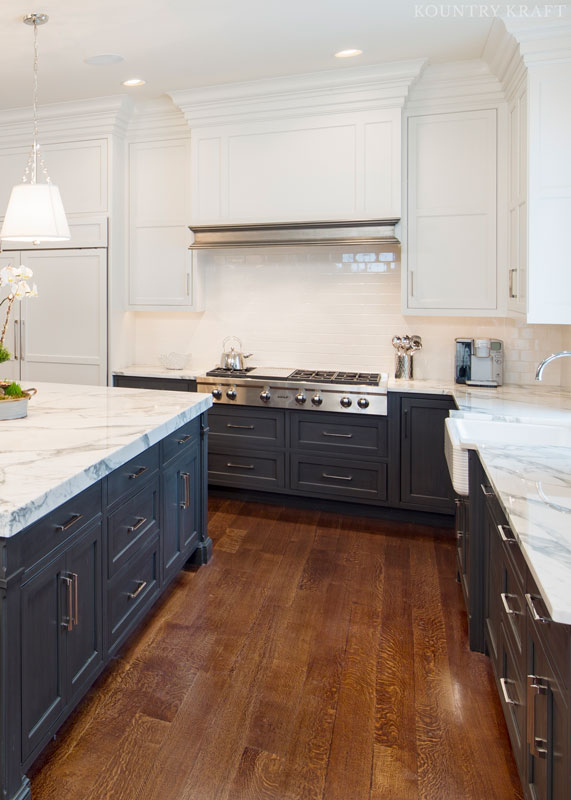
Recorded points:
179,44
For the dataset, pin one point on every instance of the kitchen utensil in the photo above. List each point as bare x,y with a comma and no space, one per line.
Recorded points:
415,343
233,359
174,360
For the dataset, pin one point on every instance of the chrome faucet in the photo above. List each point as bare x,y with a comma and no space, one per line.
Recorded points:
548,360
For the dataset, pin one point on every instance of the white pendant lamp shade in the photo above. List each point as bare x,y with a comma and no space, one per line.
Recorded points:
35,214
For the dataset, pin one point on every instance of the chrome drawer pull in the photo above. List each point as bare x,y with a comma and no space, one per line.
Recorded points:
138,473
75,582
536,617
504,684
184,439
68,624
241,427
239,466
534,688
138,590
186,478
508,610
338,435
486,490
504,537
140,522
337,477
74,518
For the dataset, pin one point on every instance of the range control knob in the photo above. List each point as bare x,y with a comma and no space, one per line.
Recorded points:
346,402
317,399
217,393
265,396
231,393
362,402
300,398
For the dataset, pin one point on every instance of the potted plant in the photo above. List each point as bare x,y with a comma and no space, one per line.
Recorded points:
13,399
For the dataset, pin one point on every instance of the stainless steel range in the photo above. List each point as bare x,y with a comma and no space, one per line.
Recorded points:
314,390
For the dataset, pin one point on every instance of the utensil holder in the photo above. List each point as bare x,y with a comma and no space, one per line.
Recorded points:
403,366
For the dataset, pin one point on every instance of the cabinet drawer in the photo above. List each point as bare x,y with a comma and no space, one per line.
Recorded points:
236,427
555,636
131,592
180,440
59,525
341,434
513,697
339,477
163,384
128,478
131,524
513,607
253,469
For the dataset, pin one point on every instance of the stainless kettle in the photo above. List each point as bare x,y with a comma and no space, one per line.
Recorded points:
233,359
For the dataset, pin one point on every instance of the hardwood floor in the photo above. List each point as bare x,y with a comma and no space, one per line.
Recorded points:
316,656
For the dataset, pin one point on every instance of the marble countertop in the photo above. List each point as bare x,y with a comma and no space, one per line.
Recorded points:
75,435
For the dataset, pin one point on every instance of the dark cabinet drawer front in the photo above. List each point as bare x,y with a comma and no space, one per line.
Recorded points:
237,426
128,478
333,432
264,471
131,592
513,698
62,523
181,440
339,477
166,384
513,608
130,525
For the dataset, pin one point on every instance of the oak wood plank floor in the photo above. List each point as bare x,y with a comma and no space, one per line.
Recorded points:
317,657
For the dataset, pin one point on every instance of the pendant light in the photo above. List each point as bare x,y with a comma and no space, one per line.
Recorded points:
35,211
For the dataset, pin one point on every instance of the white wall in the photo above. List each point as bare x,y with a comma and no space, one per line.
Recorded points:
321,309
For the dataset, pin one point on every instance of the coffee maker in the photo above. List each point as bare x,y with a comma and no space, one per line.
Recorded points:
480,362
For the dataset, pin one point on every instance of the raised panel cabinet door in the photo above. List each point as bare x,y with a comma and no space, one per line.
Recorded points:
495,584
46,615
425,480
10,370
64,329
84,640
180,490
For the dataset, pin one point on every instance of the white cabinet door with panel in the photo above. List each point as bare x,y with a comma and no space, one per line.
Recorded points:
10,370
517,199
61,335
451,263
162,272
330,167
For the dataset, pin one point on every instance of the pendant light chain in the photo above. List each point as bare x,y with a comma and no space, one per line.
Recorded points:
35,157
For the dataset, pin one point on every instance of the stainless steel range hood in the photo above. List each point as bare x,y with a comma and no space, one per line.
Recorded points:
353,233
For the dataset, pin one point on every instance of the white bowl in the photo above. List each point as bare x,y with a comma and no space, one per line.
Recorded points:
174,360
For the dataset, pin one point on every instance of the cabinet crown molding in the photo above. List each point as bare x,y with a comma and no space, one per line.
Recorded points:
541,41
328,92
157,119
455,86
77,119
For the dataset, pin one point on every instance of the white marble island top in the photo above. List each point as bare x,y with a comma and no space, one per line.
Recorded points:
75,435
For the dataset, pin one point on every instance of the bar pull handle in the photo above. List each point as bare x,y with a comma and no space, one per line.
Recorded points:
75,584
73,519
22,340
68,624
535,615
239,466
134,528
512,272
337,477
507,609
504,536
533,689
138,473
240,427
141,585
186,478
16,337
338,435
405,422
486,491
185,439
507,699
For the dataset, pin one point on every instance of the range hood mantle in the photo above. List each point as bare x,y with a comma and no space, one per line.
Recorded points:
369,232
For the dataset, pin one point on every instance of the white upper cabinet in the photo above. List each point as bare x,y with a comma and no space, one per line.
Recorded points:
339,166
451,216
162,272
318,147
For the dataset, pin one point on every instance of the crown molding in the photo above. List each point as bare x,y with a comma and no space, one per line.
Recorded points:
77,119
157,119
541,41
503,56
330,92
454,86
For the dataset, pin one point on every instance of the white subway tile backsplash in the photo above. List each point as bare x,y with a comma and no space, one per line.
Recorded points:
330,310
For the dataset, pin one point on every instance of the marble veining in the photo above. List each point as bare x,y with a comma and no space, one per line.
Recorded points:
75,435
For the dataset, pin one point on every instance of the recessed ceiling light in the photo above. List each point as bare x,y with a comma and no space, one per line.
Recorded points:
348,53
134,82
104,59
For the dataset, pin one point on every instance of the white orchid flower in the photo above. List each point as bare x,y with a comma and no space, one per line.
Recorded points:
24,272
34,292
7,276
21,289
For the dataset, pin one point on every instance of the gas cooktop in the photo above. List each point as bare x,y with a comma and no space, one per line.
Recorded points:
345,378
